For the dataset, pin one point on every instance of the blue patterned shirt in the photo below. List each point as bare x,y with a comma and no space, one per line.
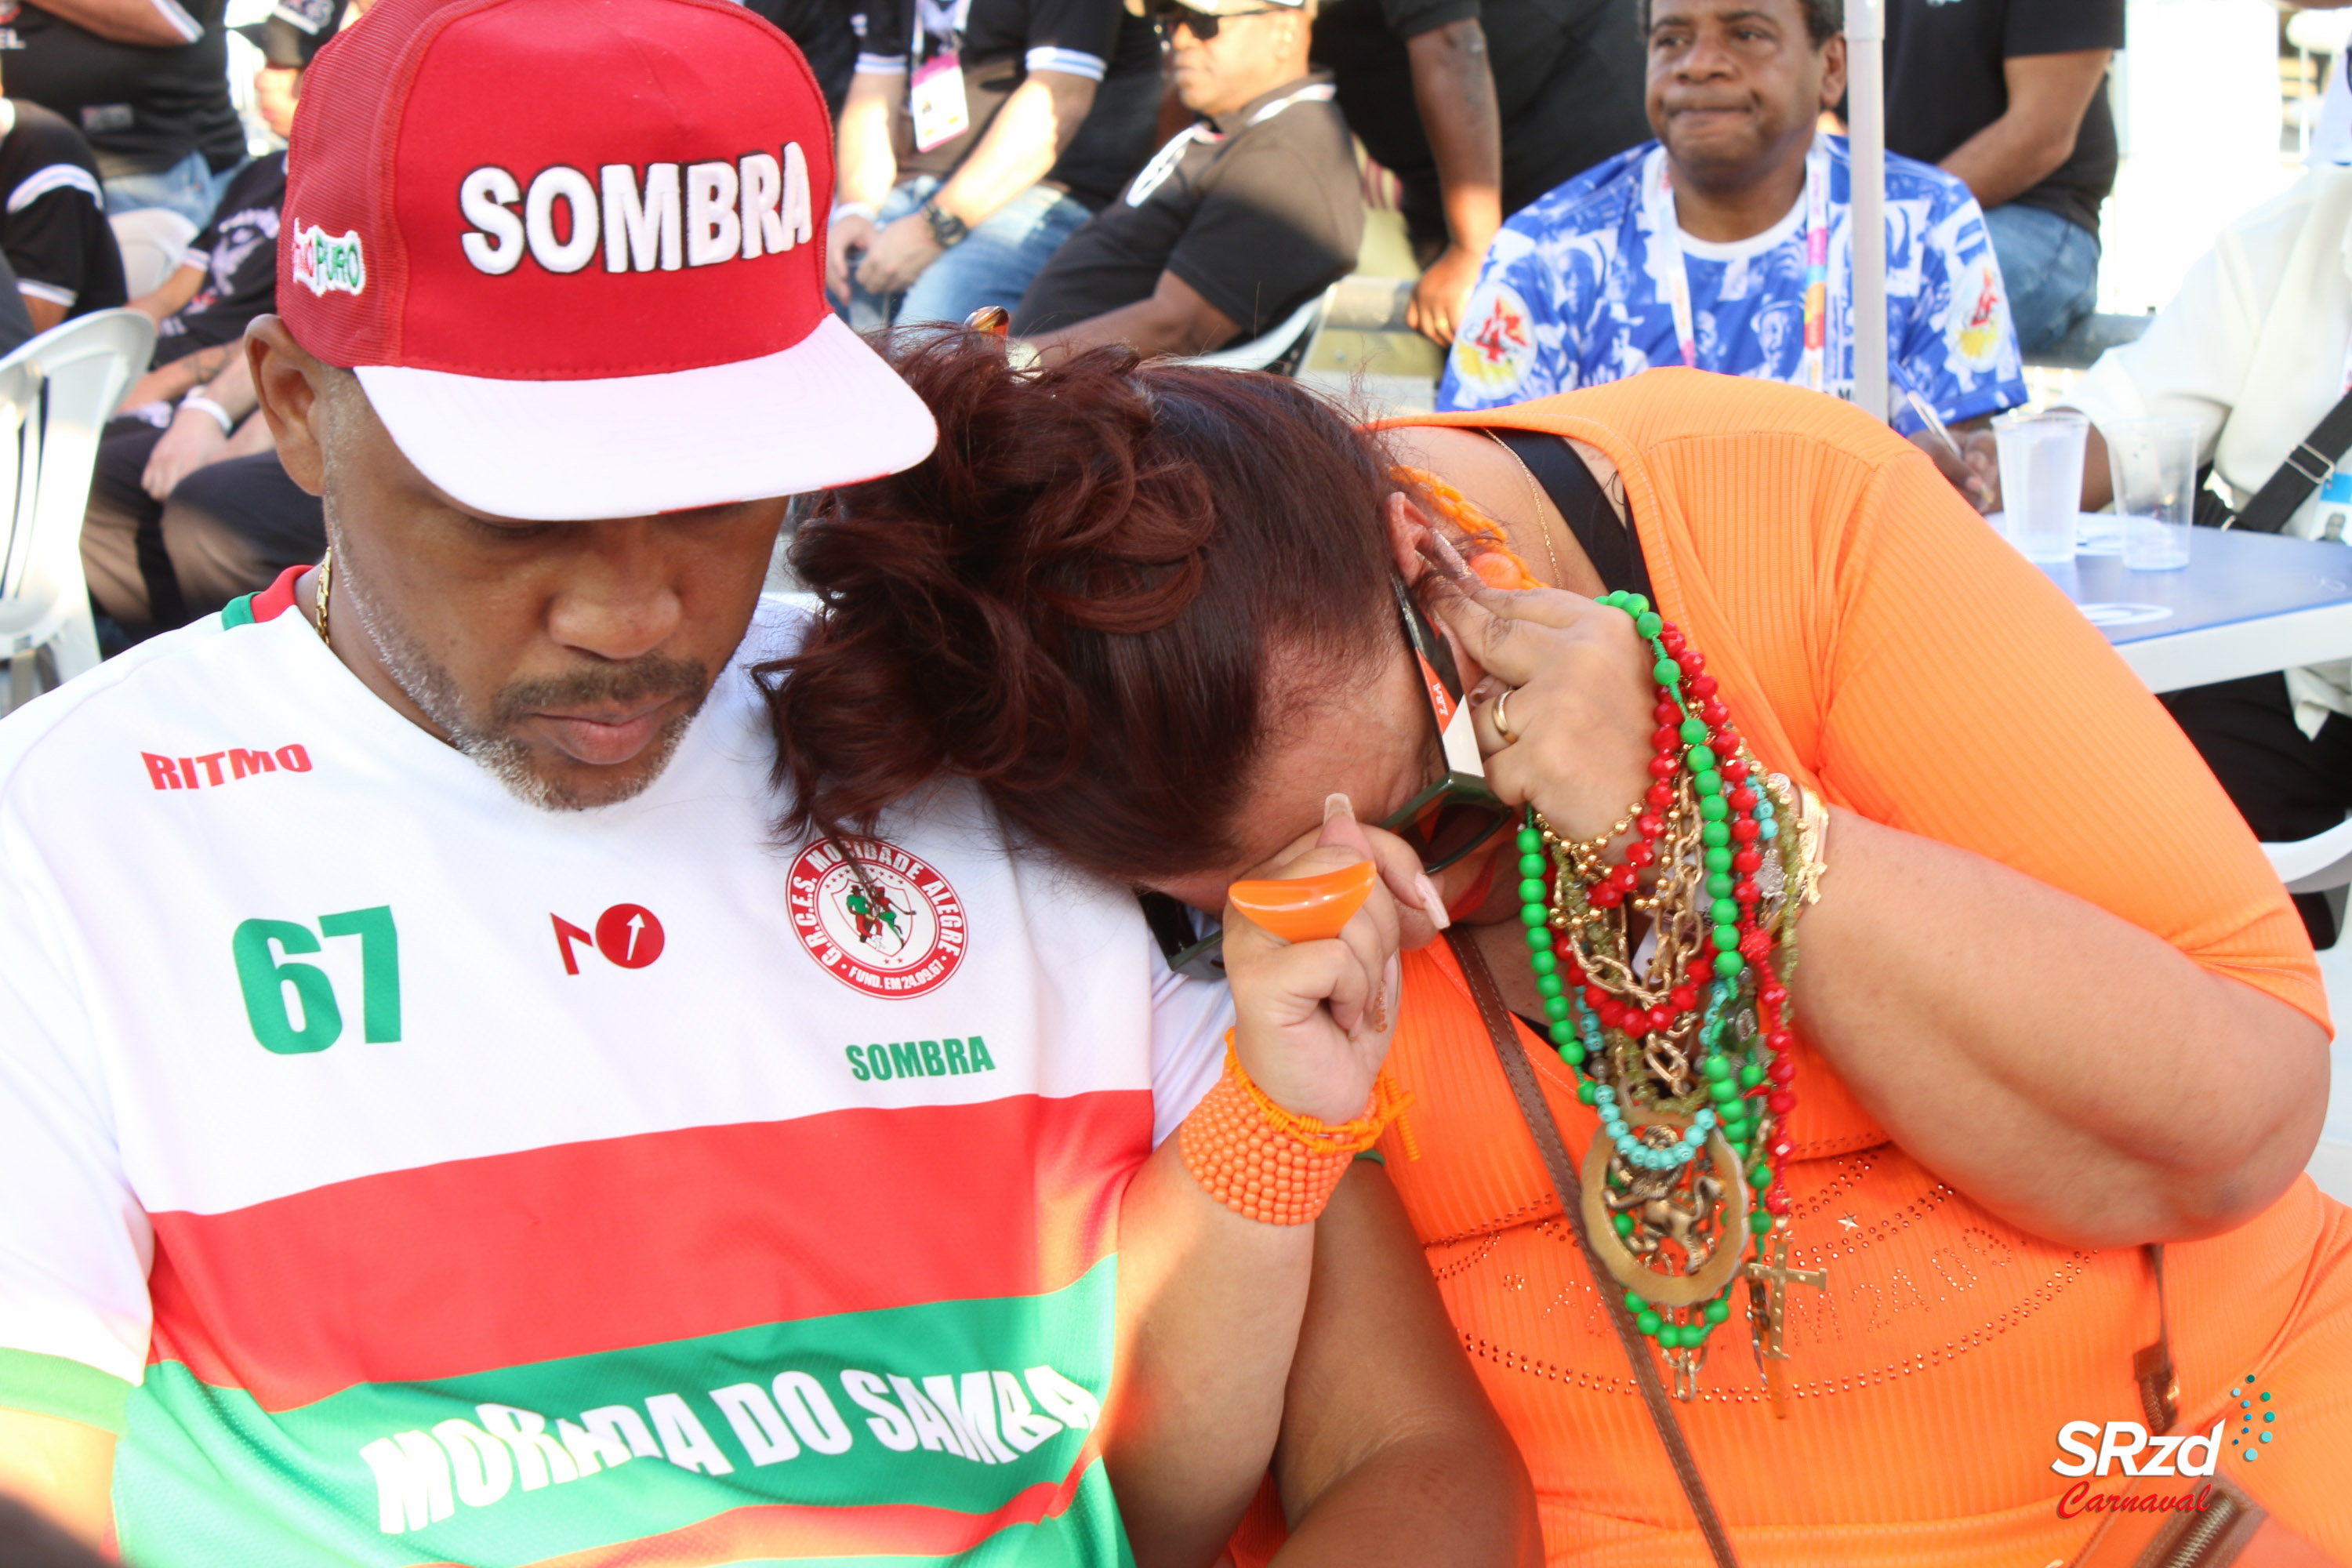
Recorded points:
1570,296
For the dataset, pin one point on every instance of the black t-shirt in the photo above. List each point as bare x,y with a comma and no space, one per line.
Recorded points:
822,30
143,108
1258,215
1944,84
1568,85
239,256
53,214
998,42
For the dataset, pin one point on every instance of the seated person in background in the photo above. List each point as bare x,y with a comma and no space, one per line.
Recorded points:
2011,95
192,408
1726,244
227,276
2252,348
184,520
1478,107
978,136
53,218
147,82
1250,211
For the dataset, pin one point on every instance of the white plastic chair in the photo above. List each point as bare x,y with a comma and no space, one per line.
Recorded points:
152,240
56,394
1280,351
2319,864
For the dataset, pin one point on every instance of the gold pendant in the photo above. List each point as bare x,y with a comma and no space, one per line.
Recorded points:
1689,1225
1768,1315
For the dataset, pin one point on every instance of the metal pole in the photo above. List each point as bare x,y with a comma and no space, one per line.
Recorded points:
1865,30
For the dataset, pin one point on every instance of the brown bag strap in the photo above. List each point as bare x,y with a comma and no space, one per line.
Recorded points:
1504,1033
2152,1369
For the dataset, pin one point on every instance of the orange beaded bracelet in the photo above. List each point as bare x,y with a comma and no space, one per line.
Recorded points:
1270,1164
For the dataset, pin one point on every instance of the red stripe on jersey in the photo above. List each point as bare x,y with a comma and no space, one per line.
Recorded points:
474,1264
278,597
788,1531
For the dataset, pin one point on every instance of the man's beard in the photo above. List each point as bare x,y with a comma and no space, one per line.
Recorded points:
493,746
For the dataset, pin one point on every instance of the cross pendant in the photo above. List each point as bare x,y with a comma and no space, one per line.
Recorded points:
1768,1315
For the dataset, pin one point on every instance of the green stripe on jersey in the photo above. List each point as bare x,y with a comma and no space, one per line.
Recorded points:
237,613
69,1390
904,1427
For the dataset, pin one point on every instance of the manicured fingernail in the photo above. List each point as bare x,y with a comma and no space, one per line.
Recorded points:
1454,565
1431,902
1337,805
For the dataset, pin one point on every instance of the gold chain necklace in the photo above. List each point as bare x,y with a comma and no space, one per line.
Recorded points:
1535,495
326,580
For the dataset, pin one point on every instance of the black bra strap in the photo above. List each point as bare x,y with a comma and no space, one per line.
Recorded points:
1608,542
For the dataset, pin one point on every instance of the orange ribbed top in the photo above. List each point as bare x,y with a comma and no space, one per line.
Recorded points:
1876,639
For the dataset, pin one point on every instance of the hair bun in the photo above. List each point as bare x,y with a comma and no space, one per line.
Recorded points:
1076,585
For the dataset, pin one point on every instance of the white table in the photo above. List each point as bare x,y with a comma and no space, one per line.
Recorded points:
2246,603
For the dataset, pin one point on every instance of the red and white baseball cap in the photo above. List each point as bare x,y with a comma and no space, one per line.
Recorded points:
575,250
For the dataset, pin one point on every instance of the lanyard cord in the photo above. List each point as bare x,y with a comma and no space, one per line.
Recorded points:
1164,163
1665,234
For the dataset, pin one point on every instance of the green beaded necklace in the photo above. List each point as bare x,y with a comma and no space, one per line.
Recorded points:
1685,1057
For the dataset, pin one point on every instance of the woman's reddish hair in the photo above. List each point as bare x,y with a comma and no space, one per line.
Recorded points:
1077,601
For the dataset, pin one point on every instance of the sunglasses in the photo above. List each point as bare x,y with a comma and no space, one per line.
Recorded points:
1200,24
1445,819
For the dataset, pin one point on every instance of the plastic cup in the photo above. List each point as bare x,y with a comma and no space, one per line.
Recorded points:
2153,462
2042,479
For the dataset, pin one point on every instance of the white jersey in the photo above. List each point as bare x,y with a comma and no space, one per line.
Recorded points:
415,1175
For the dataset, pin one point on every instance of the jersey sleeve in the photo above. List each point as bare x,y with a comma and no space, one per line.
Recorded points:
1957,346
1189,1020
1072,35
883,50
1511,345
1941,638
2061,27
1275,229
74,1241
49,232
2195,357
1408,19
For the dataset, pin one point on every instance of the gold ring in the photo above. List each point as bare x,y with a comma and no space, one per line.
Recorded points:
1502,726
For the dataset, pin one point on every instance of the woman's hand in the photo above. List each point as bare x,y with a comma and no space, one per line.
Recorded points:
1314,1019
1574,684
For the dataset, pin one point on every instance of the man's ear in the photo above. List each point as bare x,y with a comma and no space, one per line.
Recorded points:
291,386
1409,527
1833,72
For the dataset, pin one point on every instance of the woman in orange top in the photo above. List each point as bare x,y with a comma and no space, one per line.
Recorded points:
2052,1005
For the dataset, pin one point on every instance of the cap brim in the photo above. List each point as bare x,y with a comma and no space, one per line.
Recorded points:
824,412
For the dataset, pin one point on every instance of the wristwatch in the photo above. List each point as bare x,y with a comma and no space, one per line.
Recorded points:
946,227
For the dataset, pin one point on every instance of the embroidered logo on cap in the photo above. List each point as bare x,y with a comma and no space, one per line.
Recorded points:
324,263
691,215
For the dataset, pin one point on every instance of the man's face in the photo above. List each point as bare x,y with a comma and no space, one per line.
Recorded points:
566,657
1244,59
1733,81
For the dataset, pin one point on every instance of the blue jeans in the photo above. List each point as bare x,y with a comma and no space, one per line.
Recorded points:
991,267
2050,268
188,187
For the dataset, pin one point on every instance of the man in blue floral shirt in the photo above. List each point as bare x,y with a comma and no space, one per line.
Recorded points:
1726,243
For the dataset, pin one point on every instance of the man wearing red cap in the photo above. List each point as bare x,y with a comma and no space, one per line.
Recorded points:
439,1124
